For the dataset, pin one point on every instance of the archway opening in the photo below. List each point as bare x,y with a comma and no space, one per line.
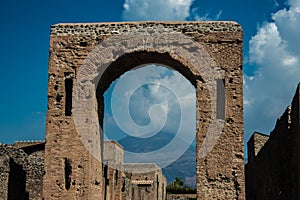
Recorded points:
145,110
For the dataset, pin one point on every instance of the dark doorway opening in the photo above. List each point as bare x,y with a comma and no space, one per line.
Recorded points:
17,182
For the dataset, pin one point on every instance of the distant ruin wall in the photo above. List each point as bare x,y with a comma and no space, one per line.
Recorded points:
272,173
255,143
113,159
21,173
144,181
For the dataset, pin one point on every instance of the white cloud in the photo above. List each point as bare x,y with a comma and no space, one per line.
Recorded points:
275,50
156,9
196,15
288,22
294,3
172,10
156,94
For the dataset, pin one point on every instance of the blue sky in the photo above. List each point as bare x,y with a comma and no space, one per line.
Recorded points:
158,100
271,52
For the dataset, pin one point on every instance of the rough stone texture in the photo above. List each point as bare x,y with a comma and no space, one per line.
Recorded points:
255,143
4,176
22,171
273,172
145,181
113,155
95,54
113,159
181,196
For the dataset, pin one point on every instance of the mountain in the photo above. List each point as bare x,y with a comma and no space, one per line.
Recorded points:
184,167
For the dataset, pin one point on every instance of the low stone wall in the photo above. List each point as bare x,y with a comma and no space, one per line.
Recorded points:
21,173
181,196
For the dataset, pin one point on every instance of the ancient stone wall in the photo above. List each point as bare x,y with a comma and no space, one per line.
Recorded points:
113,159
145,181
272,171
84,60
255,143
22,171
113,154
4,169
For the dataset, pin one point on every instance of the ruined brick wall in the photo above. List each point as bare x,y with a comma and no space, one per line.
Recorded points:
145,181
126,186
28,144
4,176
255,143
113,184
36,174
272,173
295,141
21,172
220,164
113,159
113,154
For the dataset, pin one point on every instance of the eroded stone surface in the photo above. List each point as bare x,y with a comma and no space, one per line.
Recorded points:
22,171
201,51
272,171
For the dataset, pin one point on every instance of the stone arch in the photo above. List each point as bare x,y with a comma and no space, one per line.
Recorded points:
103,64
135,59
131,61
207,53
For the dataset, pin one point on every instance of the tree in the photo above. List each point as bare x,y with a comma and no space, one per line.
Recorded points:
179,187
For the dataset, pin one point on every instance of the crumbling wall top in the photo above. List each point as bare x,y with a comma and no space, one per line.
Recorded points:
18,155
203,28
22,144
140,167
295,112
255,143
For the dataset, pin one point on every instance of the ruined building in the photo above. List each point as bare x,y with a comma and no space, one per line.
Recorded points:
144,181
272,171
132,180
129,181
273,168
76,163
113,177
85,58
22,170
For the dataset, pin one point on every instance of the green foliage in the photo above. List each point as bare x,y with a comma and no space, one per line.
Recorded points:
179,187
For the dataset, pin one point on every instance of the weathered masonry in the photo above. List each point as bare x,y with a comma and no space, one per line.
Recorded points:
22,170
144,181
86,58
113,160
273,170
